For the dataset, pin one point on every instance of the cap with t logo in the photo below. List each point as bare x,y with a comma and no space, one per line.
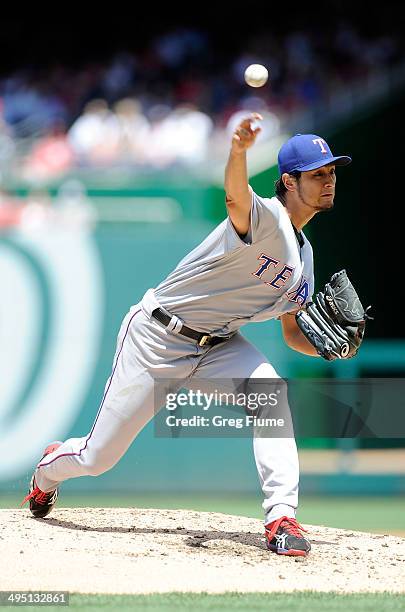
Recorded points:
307,152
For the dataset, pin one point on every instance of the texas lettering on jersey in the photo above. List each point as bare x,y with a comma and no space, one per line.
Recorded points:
280,278
301,294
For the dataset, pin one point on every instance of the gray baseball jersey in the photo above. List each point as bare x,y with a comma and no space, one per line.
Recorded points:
226,282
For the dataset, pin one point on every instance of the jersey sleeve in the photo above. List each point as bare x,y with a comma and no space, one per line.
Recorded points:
264,221
232,239
264,217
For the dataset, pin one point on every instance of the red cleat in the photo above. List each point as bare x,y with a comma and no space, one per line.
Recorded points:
284,537
42,503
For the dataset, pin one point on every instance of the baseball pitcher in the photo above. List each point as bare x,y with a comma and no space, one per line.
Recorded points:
254,266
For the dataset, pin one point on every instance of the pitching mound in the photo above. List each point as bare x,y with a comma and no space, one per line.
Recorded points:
124,550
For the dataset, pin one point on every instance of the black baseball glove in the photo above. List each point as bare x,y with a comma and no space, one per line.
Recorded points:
335,321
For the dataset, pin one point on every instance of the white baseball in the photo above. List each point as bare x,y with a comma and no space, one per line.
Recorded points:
256,75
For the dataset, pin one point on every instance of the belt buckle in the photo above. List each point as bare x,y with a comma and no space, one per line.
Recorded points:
203,340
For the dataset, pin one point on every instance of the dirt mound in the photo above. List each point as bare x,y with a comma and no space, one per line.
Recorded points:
124,550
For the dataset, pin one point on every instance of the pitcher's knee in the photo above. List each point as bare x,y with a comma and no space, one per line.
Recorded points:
97,464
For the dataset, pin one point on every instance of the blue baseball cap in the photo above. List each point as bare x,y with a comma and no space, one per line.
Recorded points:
307,152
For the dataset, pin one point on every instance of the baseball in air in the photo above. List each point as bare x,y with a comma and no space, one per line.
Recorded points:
256,75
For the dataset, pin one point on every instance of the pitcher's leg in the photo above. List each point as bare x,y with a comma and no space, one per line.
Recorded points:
278,469
276,458
113,431
127,406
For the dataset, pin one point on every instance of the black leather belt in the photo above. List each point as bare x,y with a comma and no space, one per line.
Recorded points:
201,339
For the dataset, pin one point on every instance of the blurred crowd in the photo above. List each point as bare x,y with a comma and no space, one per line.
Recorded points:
169,103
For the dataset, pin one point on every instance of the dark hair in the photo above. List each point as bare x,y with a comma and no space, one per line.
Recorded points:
280,188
